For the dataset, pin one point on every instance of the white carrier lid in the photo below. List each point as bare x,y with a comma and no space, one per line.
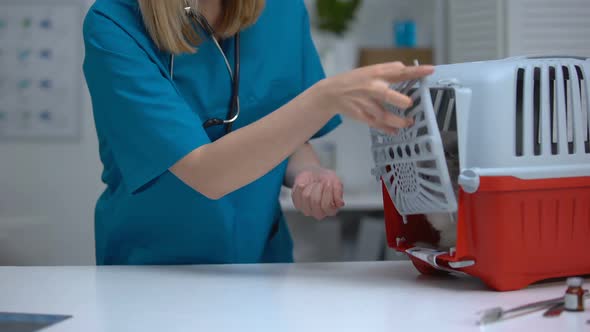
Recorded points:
412,163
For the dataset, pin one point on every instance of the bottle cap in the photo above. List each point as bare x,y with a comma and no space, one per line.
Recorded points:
575,282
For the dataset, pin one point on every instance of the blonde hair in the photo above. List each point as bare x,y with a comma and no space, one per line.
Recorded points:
172,30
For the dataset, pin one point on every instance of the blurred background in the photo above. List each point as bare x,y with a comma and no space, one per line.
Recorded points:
49,166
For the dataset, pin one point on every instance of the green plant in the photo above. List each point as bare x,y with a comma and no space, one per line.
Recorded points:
336,15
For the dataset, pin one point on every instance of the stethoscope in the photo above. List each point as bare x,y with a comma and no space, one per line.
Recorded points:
234,108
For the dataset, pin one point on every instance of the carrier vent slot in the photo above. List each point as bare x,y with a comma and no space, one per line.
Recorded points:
552,107
585,108
552,111
444,102
569,116
519,111
537,112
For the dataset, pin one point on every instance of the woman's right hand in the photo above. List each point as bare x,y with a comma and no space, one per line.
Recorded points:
361,94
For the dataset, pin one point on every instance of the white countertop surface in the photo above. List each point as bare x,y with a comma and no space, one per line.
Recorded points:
376,296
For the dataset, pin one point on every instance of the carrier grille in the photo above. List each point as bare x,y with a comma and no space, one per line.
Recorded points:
412,163
551,111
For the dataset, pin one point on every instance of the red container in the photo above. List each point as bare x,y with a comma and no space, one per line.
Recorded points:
517,231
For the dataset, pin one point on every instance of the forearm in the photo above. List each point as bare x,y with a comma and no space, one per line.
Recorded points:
304,158
245,155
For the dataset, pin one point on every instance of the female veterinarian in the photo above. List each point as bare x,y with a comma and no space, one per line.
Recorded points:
203,110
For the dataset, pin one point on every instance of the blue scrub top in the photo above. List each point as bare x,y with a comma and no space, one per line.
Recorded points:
146,122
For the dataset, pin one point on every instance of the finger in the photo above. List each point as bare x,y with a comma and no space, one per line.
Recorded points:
387,118
374,123
373,113
410,73
388,121
316,201
392,120
372,109
306,200
296,196
397,72
304,178
383,128
380,90
365,115
327,202
371,121
332,212
336,202
338,195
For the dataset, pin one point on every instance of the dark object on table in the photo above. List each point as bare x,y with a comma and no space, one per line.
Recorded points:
20,322
554,311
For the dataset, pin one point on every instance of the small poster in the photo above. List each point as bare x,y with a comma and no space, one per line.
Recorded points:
40,69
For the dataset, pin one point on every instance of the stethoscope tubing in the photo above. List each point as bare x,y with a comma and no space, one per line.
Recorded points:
234,74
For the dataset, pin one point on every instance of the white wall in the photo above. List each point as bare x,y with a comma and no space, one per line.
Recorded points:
47,196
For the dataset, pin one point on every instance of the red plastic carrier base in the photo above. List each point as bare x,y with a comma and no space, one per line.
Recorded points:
517,231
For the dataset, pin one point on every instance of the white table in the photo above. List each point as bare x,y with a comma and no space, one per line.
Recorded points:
377,296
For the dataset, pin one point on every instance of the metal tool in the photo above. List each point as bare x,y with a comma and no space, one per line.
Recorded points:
497,314
553,307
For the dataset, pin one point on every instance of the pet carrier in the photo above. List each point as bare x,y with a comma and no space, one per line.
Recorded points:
522,205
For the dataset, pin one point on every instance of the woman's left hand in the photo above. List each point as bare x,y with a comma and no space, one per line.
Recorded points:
318,192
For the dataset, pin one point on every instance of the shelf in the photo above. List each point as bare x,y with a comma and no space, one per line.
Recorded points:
357,201
371,56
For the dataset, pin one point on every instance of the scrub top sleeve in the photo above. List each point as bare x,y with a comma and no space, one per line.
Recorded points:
138,112
313,70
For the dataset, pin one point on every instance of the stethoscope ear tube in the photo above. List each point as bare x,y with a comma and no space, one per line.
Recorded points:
235,99
234,107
